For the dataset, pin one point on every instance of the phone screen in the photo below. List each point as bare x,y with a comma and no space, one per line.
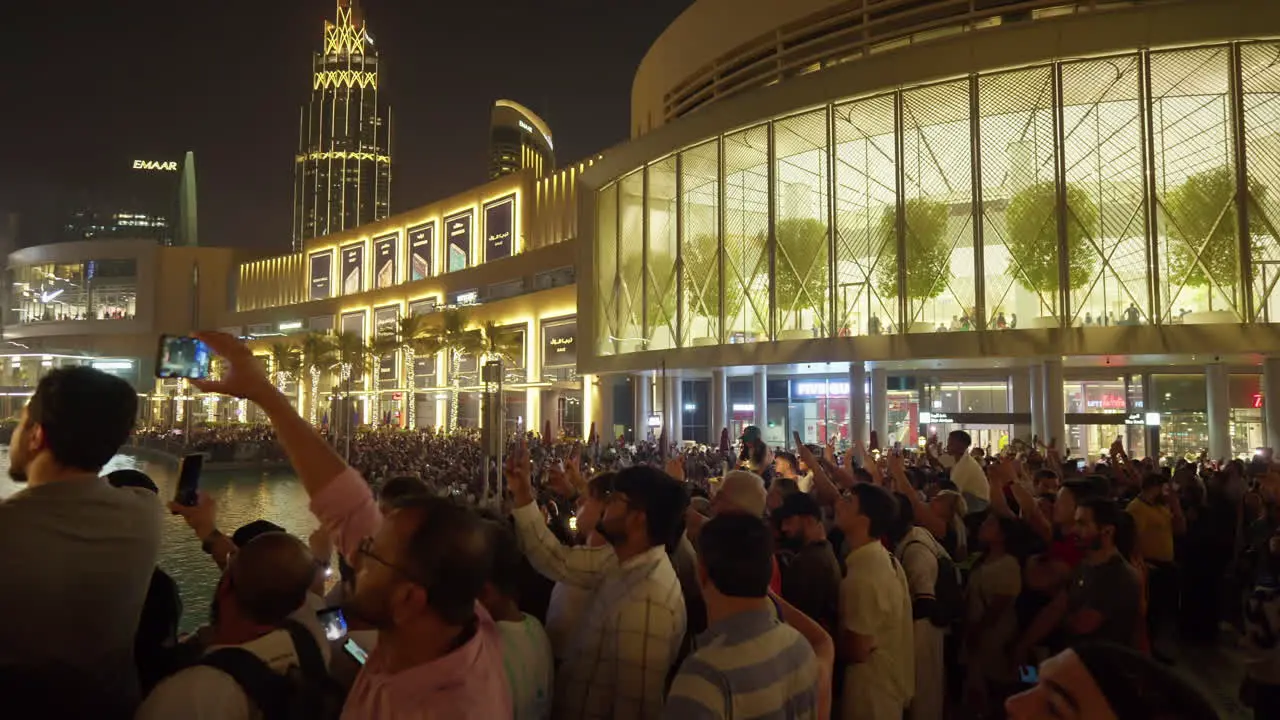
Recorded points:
573,523
181,356
357,653
189,480
333,622
1028,674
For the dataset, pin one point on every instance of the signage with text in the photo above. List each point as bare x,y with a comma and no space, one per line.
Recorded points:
819,388
425,306
422,240
352,269
560,344
321,269
384,261
384,325
457,230
161,165
499,224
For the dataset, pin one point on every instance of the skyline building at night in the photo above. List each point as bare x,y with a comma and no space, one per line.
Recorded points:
518,140
342,170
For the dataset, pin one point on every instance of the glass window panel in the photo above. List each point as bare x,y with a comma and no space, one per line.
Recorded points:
1195,185
1260,72
801,178
746,235
1019,198
1107,210
699,255
630,286
938,172
660,271
606,270
865,248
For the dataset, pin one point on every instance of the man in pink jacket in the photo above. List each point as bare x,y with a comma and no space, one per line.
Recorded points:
419,571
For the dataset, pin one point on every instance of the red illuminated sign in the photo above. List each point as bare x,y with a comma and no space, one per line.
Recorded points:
1257,400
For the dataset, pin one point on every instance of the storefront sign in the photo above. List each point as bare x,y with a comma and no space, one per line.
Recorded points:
499,223
937,418
352,269
422,240
560,344
161,165
458,247
384,261
290,325
1257,401
819,388
1135,419
321,269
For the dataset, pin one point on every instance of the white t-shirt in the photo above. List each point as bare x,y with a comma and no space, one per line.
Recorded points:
204,693
968,476
565,609
919,552
875,600
530,667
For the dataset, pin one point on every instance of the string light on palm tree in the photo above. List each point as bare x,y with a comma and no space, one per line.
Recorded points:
317,356
411,335
453,337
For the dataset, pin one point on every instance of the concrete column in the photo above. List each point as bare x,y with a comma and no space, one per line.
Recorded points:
641,385
1020,401
1271,400
1055,418
858,401
602,409
1035,400
1217,386
880,404
668,405
719,404
758,397
676,423
533,409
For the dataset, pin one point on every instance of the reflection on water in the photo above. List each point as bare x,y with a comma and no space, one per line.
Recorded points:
242,496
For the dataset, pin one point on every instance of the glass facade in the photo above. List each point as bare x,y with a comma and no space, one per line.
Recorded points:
92,290
1122,190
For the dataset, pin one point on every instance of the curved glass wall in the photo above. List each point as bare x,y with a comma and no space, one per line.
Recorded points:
1141,188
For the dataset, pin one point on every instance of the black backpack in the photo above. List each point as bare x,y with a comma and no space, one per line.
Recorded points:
305,691
948,590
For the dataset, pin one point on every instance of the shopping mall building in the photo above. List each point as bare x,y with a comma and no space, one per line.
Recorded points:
1038,217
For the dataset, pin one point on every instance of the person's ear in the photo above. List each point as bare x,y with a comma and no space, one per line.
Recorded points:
407,601
35,438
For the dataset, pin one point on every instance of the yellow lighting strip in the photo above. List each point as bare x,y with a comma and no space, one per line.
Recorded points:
343,37
344,155
345,78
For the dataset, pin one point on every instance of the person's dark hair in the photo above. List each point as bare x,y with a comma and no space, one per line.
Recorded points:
962,437
797,505
86,415
737,551
903,520
1151,480
128,477
947,483
599,487
402,486
1081,490
271,575
660,496
1126,534
247,532
508,561
1137,687
786,486
449,554
1105,511
878,505
789,457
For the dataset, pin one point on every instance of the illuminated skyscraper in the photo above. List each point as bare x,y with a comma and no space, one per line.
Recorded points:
518,140
342,173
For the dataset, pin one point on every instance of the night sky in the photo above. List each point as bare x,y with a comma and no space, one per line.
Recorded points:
88,85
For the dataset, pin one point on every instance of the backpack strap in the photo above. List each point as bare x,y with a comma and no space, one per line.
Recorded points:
255,677
310,659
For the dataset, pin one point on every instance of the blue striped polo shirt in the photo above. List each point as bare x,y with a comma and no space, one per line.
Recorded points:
748,665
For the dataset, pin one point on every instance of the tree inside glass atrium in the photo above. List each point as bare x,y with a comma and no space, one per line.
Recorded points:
928,261
702,288
1200,219
1031,226
800,274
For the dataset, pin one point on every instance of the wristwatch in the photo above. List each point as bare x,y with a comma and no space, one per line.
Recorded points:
207,544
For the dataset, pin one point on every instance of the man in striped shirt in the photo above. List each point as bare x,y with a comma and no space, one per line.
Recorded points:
748,663
622,648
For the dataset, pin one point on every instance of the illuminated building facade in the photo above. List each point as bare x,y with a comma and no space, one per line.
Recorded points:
1058,220
502,253
151,199
519,139
342,172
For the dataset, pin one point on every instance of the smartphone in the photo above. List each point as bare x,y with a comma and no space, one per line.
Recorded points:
333,622
357,653
573,523
1028,674
182,356
189,480
1081,465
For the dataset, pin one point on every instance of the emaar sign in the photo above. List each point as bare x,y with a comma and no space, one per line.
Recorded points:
165,166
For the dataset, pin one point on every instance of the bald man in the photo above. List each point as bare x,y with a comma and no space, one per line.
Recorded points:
262,593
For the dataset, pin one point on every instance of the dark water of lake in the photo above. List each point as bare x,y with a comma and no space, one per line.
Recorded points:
242,496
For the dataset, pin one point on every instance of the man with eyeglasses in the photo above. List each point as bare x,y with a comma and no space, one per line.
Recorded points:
419,570
622,650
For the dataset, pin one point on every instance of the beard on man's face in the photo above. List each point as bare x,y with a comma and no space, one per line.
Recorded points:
369,607
615,535
18,458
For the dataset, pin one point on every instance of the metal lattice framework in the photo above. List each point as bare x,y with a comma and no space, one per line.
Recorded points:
1139,188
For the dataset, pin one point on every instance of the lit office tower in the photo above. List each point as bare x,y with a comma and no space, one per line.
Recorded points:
518,140
342,173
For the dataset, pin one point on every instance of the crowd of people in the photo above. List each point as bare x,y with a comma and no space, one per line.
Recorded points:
624,581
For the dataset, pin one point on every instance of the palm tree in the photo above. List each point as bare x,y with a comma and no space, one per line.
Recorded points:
378,348
413,336
454,338
317,356
500,346
285,363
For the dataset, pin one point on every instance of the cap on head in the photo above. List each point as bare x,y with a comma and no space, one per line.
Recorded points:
745,491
